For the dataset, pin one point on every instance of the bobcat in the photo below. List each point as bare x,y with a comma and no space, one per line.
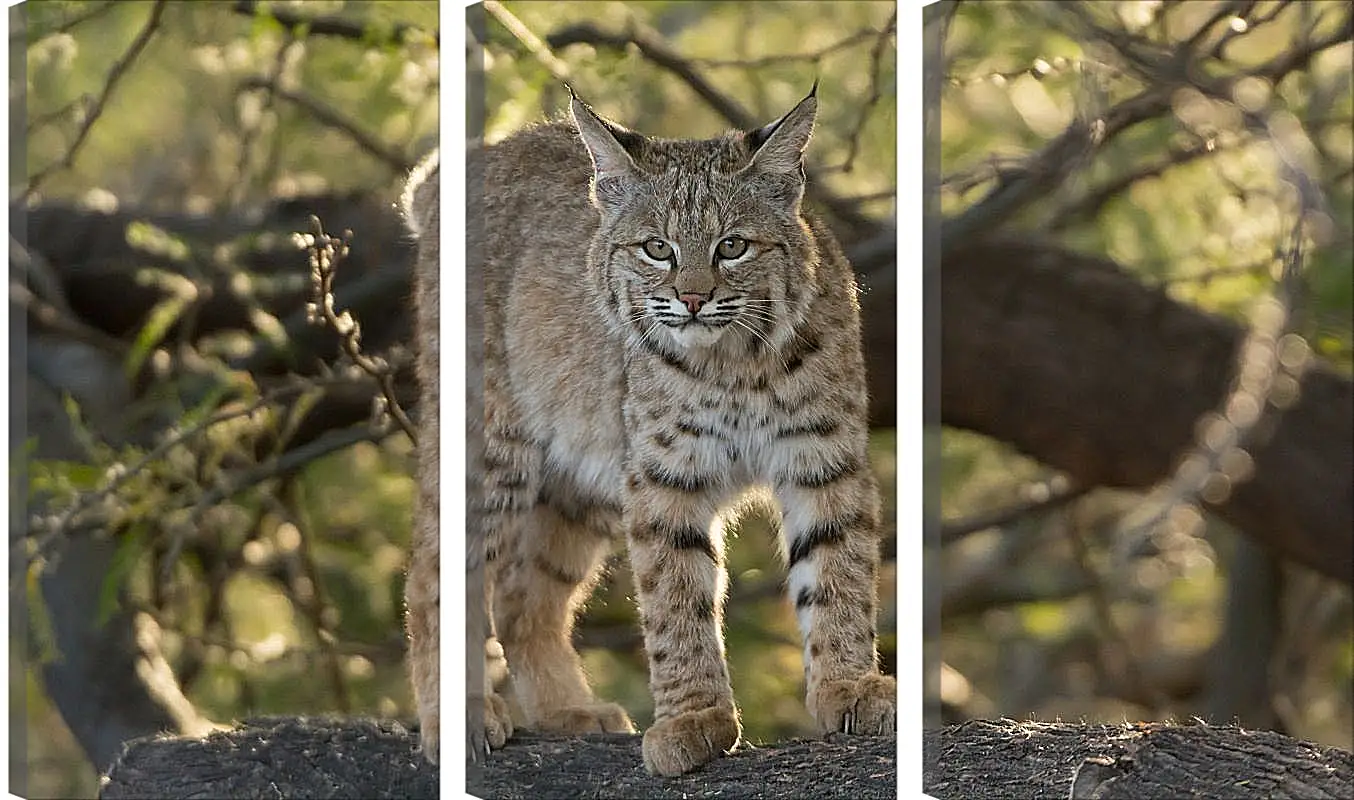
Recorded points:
664,330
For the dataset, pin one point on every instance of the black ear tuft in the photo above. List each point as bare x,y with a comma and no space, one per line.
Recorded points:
757,137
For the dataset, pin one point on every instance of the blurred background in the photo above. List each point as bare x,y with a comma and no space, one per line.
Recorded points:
1145,458
683,69
208,521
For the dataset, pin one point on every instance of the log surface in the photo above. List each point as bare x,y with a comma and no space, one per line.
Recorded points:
1006,759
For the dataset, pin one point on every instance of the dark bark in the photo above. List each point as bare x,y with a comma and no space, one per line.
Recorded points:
365,759
278,757
1004,759
537,767
361,758
1079,365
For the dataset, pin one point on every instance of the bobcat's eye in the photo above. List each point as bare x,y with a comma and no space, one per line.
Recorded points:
731,247
658,250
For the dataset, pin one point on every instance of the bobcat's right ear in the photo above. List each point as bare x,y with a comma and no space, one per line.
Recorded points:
603,140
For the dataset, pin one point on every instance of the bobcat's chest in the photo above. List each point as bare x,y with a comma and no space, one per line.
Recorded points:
707,430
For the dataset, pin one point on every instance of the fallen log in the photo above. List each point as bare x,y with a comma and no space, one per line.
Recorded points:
357,758
1003,759
338,758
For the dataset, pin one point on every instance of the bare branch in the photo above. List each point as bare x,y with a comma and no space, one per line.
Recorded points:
539,49
115,75
288,463
250,133
1044,171
656,49
327,25
1087,206
1051,495
790,58
872,99
328,116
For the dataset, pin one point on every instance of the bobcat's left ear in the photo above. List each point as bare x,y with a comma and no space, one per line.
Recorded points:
779,147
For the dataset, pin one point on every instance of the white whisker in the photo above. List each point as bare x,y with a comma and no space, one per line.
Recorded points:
769,346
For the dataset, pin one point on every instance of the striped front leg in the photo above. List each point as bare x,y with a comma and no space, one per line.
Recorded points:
831,528
676,554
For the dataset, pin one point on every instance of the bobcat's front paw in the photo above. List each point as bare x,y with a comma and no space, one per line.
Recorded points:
590,718
680,744
488,725
868,704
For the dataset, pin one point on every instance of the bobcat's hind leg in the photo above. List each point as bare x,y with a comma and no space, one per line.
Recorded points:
539,581
423,602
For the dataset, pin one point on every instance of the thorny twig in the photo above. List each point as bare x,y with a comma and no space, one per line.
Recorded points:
115,75
121,475
325,254
74,513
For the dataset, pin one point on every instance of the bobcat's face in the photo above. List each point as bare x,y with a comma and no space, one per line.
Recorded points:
701,239
703,248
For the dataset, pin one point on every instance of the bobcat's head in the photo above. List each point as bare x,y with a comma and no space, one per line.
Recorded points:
702,240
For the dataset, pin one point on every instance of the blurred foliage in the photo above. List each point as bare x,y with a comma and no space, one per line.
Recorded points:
764,57
182,132
288,597
1042,620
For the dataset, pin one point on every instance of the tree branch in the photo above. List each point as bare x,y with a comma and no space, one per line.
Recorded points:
539,49
326,25
1077,364
327,116
115,75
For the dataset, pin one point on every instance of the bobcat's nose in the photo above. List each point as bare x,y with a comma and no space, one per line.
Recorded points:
693,302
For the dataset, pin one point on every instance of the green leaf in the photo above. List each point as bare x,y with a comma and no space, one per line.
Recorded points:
131,546
151,239
44,650
158,322
264,24
296,413
207,406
